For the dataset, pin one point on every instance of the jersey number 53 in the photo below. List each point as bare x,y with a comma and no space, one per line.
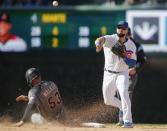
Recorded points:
54,100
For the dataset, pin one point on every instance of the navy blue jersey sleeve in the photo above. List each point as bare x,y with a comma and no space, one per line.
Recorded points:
141,57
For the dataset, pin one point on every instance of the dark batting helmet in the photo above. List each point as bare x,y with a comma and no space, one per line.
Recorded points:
31,74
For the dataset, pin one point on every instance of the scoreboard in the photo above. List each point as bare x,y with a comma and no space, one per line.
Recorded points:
50,28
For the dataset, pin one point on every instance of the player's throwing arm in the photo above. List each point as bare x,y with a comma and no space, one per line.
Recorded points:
99,43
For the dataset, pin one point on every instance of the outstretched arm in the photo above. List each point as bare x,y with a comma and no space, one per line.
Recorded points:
99,43
27,114
30,106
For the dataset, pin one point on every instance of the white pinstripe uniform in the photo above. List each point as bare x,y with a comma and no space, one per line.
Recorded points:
120,81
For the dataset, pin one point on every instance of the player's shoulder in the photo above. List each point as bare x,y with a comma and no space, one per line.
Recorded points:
16,38
131,43
136,43
13,37
111,38
47,83
33,91
114,36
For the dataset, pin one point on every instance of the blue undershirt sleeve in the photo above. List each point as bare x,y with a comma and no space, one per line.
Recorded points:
130,62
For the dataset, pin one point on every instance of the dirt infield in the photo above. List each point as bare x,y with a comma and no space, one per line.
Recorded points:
7,126
96,113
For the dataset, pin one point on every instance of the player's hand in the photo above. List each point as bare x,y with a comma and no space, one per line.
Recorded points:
132,71
20,123
98,48
22,98
99,43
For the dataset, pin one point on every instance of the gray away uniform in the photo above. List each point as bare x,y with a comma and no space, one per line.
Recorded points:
46,99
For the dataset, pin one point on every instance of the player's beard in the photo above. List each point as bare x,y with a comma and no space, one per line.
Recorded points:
120,35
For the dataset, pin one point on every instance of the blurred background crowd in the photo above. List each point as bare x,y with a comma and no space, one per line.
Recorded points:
79,2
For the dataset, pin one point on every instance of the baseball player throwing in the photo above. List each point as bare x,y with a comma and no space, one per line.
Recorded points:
119,54
43,95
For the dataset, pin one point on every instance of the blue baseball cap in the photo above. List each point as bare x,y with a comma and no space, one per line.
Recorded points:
123,24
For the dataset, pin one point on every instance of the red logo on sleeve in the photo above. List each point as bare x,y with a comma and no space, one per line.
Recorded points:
129,53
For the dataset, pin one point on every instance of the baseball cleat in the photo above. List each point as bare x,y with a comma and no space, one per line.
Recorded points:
127,125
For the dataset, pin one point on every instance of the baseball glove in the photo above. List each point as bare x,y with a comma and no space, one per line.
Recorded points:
119,50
